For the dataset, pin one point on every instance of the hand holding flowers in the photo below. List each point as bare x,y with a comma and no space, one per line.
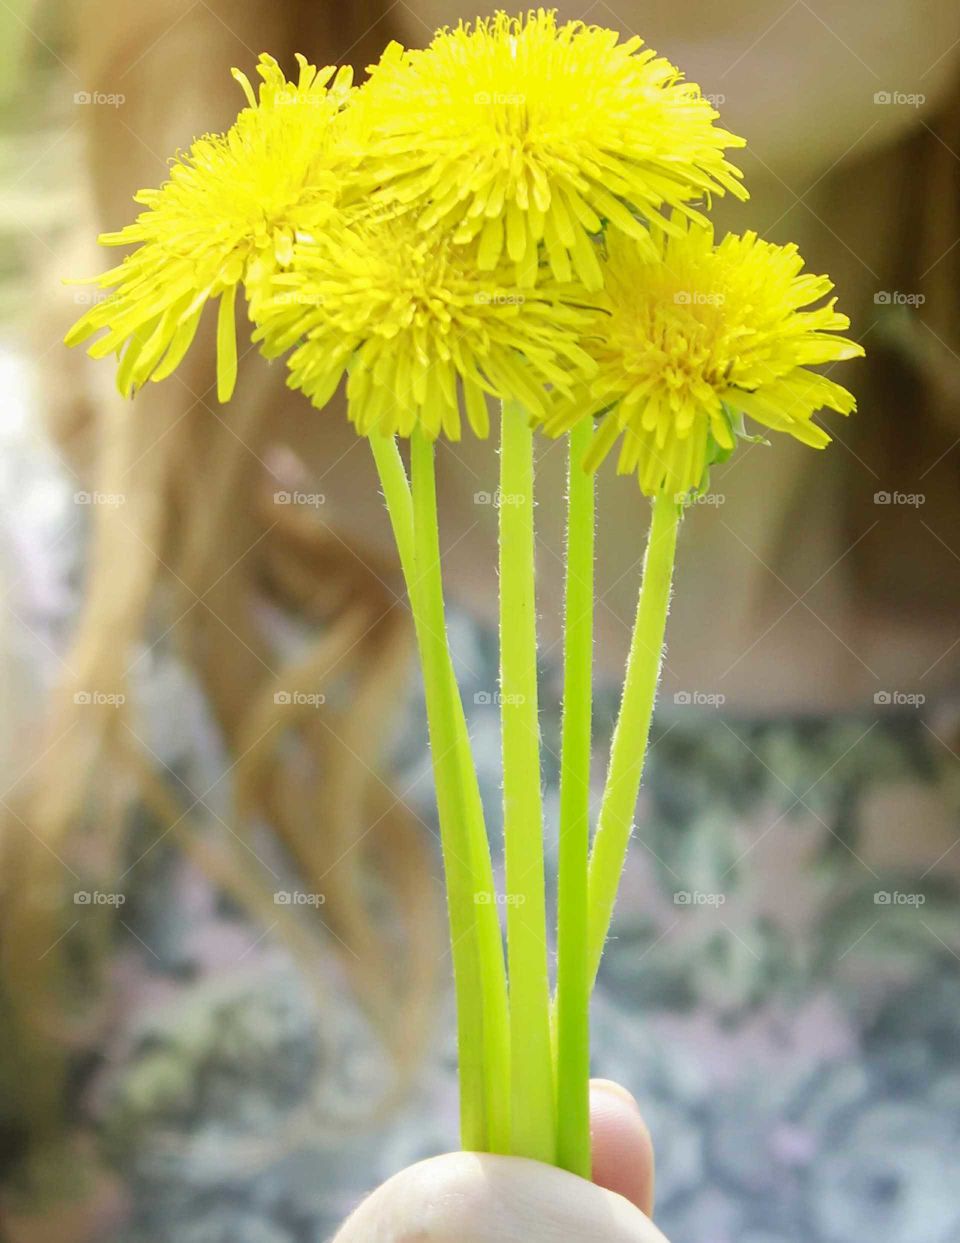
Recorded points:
515,212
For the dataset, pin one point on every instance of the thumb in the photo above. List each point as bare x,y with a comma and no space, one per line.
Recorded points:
622,1148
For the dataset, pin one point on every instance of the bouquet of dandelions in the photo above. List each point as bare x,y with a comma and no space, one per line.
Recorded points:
510,213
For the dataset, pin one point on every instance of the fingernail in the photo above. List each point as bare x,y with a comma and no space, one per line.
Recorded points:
615,1089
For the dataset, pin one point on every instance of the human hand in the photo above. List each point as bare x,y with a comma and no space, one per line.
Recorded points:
467,1197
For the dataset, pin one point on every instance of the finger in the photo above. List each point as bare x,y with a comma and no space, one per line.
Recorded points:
622,1148
467,1197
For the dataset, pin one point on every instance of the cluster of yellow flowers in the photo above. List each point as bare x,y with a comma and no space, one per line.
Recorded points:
510,212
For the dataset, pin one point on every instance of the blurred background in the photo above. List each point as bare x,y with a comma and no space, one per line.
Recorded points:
223,977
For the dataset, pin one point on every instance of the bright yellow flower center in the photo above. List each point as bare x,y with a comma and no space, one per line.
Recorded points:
419,327
227,215
691,339
517,131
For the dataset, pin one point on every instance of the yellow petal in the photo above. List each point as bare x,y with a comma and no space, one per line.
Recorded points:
227,345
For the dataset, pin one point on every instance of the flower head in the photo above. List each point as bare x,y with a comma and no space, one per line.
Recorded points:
419,329
690,341
516,130
227,215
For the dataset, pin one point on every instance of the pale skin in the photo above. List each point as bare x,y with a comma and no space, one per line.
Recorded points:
477,1198
800,85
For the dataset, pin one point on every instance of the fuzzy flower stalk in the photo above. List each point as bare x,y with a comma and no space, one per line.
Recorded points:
514,215
687,343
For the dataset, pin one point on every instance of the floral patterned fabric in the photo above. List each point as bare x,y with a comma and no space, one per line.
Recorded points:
781,993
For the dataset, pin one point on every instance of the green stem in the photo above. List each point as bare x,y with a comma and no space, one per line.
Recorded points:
532,1092
477,947
573,980
396,493
633,725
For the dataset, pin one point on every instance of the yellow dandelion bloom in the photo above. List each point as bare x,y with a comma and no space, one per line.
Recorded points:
689,342
228,215
419,329
515,130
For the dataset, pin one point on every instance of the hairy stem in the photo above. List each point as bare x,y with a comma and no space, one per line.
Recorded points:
476,943
532,1091
573,980
632,730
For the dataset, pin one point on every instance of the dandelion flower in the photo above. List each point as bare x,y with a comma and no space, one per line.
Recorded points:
688,343
419,329
515,130
228,215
